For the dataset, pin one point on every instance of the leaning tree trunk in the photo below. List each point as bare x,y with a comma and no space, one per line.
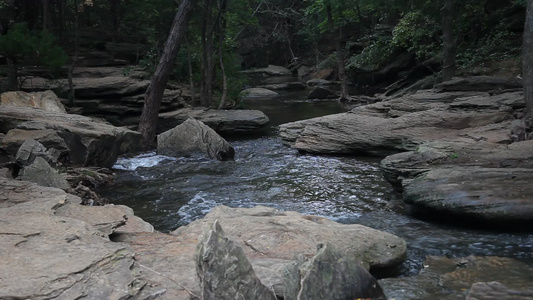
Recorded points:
154,94
527,60
340,55
448,42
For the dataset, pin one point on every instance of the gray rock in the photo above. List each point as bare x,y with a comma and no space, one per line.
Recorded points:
497,291
313,82
353,132
284,86
480,83
321,93
258,93
111,86
47,100
31,149
49,138
44,256
330,275
271,70
89,141
222,121
496,196
224,271
258,229
193,136
40,172
452,278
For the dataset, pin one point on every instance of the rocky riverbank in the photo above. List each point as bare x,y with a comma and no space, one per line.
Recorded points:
451,151
53,247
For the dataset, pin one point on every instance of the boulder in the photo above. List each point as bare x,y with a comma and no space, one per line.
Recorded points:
40,172
494,290
89,141
31,149
46,100
454,278
224,271
255,93
49,138
235,121
271,70
322,93
495,196
193,136
329,275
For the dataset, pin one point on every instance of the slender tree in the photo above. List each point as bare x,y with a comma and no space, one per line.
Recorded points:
154,93
340,53
221,36
527,60
448,41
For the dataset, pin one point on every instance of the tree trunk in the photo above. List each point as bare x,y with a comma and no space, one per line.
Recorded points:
154,94
72,91
448,42
340,55
207,45
46,15
221,35
527,60
191,77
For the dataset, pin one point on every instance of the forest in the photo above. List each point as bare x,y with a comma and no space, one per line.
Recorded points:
226,36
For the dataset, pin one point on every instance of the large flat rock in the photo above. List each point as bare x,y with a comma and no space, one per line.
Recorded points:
47,254
222,121
496,196
89,141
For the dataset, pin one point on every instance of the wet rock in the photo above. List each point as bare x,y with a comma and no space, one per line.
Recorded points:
495,196
222,121
497,291
255,93
193,136
322,93
329,275
89,141
224,271
47,100
454,278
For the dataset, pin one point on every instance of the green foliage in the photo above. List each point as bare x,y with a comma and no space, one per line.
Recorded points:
418,33
497,45
374,55
20,43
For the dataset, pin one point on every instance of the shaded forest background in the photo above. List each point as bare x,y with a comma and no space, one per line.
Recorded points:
383,40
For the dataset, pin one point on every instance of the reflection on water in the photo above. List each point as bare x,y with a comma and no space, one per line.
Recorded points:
170,192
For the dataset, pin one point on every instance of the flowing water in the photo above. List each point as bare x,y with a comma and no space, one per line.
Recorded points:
172,192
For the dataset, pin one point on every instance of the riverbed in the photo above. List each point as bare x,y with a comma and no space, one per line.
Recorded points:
172,192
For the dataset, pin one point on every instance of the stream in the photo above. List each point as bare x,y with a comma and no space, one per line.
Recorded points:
172,192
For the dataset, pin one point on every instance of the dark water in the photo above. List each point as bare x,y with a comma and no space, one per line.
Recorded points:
173,192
